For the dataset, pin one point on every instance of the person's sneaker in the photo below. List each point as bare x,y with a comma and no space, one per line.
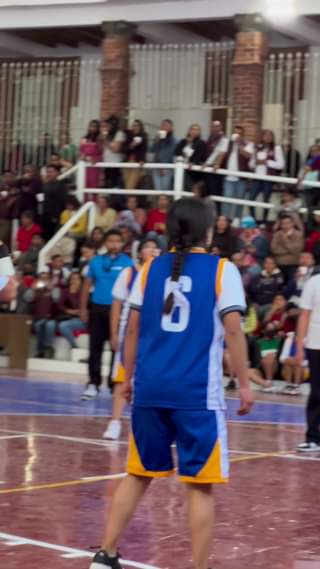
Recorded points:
91,392
308,447
102,559
113,430
232,385
271,389
49,353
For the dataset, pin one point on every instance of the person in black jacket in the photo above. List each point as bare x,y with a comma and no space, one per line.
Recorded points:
265,286
54,200
225,242
135,150
193,150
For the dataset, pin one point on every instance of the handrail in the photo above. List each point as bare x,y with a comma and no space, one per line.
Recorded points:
68,173
87,207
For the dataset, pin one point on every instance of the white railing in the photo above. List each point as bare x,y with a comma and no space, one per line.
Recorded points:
87,208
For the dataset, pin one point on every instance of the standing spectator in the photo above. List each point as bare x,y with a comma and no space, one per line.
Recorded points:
217,146
156,221
54,200
293,160
252,241
224,238
102,274
193,150
105,215
43,298
68,152
264,287
135,150
91,152
69,310
26,231
8,201
236,159
139,213
163,148
308,336
79,228
268,159
112,138
29,186
286,246
58,272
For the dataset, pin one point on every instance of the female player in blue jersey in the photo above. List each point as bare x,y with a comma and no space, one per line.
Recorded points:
183,306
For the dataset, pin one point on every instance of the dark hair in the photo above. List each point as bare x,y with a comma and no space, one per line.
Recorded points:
28,213
146,240
141,125
89,244
114,122
54,167
187,225
263,133
56,256
239,127
90,135
111,232
73,201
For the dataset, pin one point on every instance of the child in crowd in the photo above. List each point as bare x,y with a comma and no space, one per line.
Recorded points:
26,231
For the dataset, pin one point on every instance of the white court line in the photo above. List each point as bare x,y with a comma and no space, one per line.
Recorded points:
67,552
300,457
98,442
279,424
107,477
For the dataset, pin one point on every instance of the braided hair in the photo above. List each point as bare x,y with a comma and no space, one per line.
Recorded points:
187,225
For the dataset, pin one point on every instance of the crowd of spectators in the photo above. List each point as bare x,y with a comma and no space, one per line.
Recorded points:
275,258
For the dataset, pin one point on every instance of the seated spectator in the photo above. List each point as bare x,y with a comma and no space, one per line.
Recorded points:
267,159
135,150
217,146
112,139
65,248
193,150
69,310
139,212
58,272
43,298
130,241
26,231
91,151
272,332
200,191
292,373
287,245
314,233
98,240
224,238
163,148
29,186
304,271
88,251
236,159
289,202
54,201
253,243
265,286
79,229
239,260
31,256
311,173
105,215
156,221
54,160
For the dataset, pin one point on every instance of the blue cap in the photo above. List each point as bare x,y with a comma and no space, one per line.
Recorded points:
248,223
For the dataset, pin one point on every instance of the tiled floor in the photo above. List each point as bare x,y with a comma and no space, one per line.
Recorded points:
55,473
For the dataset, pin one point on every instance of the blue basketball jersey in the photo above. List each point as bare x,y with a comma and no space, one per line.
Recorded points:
179,361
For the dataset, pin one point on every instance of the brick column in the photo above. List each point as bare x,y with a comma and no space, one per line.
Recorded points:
248,74
115,68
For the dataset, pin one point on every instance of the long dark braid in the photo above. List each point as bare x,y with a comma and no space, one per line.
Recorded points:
178,262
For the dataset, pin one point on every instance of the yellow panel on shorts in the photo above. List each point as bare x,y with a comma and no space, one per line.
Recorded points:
135,466
211,471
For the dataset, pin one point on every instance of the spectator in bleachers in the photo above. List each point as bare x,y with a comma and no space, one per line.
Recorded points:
43,298
314,235
91,151
8,199
224,238
163,148
265,286
69,310
29,186
156,221
193,150
135,149
54,201
112,138
286,246
98,240
272,332
78,230
27,229
130,240
139,213
237,159
304,271
293,160
88,251
289,202
217,146
267,159
65,248
105,215
54,160
58,272
68,152
311,173
31,255
239,260
200,191
253,243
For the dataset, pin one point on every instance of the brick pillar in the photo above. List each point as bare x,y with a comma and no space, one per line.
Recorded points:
248,74
115,68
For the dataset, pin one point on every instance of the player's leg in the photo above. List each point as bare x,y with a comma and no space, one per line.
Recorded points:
201,519
113,430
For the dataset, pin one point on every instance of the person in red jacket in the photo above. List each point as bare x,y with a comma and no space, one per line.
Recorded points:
156,222
26,231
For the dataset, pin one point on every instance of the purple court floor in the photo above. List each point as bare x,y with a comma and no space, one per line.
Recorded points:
56,473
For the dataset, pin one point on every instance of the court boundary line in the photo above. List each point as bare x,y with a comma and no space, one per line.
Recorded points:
67,552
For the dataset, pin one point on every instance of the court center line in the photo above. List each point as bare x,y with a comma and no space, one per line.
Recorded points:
66,552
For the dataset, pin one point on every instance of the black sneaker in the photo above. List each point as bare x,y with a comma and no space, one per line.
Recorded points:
102,559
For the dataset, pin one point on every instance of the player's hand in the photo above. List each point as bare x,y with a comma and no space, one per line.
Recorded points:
246,400
126,391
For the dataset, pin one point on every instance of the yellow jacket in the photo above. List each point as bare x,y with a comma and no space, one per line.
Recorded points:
80,226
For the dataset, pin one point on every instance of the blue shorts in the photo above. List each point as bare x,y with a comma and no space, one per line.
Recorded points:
200,436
